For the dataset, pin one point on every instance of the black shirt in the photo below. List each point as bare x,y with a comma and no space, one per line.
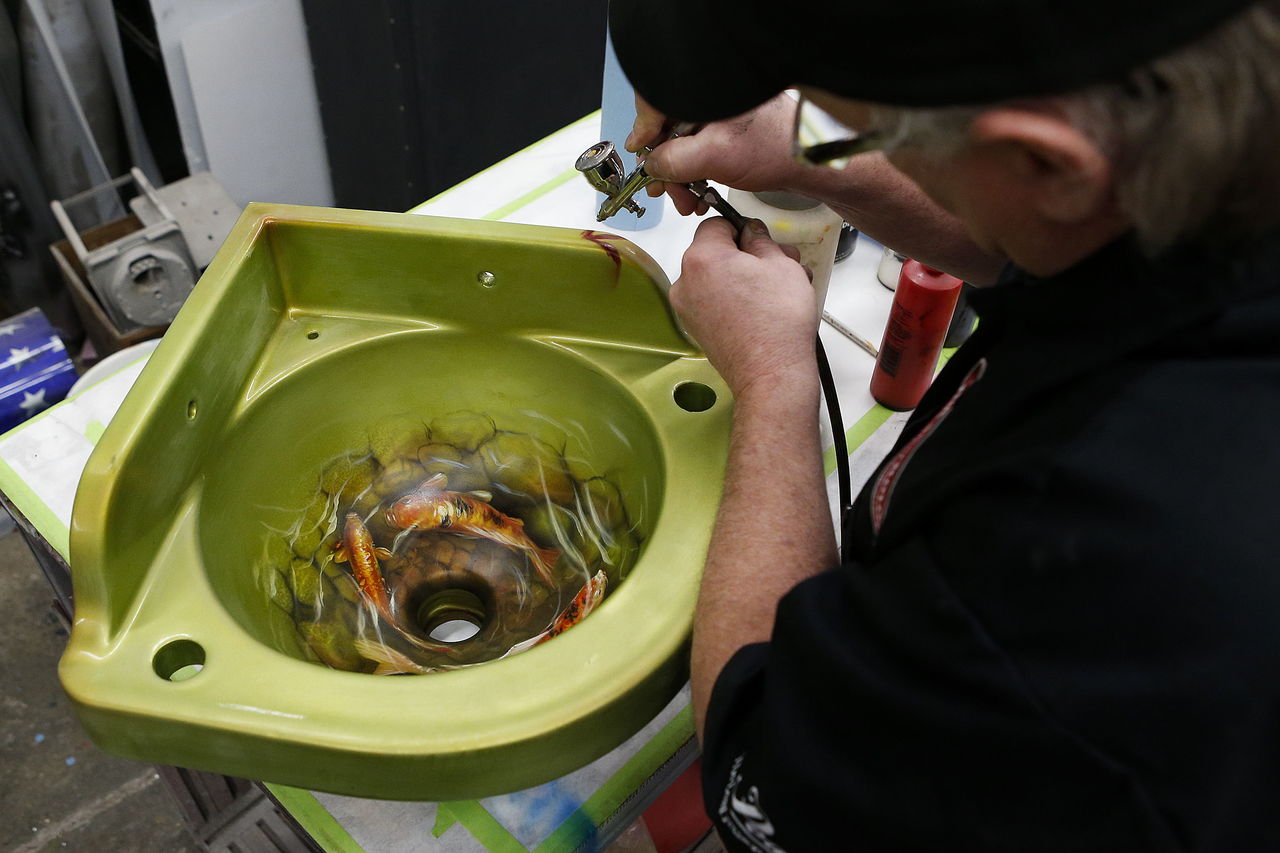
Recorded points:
1057,625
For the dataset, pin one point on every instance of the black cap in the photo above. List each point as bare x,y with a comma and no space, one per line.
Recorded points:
702,60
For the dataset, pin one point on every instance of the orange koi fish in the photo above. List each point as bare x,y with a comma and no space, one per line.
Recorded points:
587,599
357,548
432,507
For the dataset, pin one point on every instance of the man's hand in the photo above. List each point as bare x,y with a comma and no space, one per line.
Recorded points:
748,303
750,152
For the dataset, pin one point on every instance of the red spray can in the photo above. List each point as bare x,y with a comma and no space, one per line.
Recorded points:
922,309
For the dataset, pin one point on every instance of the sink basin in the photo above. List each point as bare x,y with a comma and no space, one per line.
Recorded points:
328,364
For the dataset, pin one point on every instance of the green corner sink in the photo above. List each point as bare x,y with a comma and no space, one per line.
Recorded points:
328,364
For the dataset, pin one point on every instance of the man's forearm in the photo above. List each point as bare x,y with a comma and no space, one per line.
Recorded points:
889,207
773,529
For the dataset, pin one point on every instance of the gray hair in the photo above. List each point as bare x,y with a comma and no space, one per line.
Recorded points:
1195,134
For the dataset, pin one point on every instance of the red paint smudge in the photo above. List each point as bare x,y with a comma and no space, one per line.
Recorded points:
600,239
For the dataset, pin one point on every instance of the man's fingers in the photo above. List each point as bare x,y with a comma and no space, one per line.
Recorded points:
681,160
714,235
647,127
717,232
713,239
684,201
794,254
755,240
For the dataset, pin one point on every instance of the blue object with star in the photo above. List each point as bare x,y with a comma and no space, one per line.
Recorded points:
35,371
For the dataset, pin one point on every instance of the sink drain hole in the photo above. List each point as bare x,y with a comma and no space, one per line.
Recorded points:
455,631
312,335
451,616
179,660
694,396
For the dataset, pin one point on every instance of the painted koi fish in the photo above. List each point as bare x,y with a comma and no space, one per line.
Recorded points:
432,507
587,599
389,661
357,548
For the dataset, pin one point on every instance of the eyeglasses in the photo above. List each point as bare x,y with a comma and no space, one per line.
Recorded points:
819,140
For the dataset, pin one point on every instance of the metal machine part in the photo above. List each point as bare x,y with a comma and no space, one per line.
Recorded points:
143,278
202,208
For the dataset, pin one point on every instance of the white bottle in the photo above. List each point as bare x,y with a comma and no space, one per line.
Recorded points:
794,220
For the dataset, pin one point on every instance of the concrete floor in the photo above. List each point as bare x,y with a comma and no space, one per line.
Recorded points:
57,791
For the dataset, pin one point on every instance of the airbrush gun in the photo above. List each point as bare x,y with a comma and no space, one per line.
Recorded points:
602,166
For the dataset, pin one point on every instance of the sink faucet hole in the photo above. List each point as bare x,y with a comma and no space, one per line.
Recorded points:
178,660
694,396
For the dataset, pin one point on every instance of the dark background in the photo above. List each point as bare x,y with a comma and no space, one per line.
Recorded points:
415,96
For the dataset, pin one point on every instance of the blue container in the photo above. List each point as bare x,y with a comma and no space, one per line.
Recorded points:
35,371
617,115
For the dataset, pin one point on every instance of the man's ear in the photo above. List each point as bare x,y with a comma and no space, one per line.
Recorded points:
1066,175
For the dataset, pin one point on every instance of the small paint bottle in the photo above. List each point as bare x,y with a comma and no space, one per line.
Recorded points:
923,304
890,268
848,240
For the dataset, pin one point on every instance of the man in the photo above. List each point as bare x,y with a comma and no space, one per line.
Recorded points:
1055,627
